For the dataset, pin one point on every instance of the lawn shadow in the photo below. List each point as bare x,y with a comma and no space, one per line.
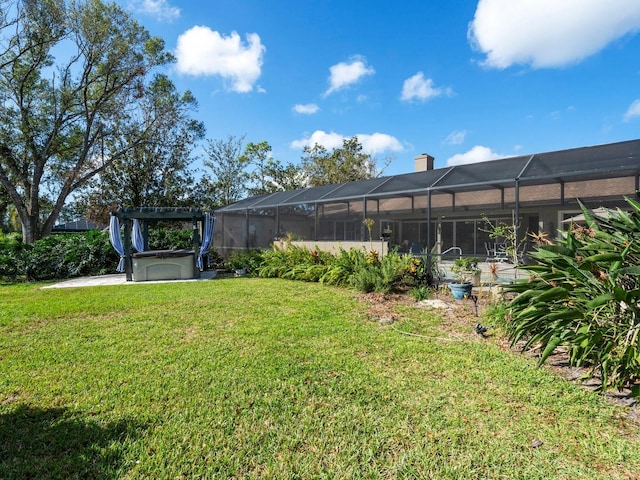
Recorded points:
59,443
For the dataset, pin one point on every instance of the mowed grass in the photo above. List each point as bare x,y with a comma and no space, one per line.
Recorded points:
255,378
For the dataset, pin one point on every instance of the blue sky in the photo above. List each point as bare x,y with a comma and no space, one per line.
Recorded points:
464,81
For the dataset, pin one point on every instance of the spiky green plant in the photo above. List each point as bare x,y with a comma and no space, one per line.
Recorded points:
584,294
275,263
421,293
294,263
342,266
383,275
364,271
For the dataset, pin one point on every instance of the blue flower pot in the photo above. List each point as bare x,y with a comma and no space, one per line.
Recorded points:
460,290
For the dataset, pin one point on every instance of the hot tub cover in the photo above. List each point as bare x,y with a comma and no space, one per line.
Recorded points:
163,253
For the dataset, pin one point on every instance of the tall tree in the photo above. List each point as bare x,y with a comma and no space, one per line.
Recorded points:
155,172
284,177
346,164
269,175
71,81
257,155
229,177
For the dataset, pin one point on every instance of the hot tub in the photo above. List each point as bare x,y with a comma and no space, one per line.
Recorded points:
163,265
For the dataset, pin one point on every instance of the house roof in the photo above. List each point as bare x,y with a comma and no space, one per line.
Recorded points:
160,213
77,226
620,159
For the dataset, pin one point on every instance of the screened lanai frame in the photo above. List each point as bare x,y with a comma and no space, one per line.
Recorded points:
530,188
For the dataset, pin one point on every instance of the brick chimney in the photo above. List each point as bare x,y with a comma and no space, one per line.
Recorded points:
424,162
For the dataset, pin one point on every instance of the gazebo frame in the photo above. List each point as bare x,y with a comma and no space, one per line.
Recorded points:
147,215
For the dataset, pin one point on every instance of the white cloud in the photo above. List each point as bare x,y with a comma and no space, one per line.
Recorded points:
372,144
379,143
307,109
456,137
202,51
549,33
422,89
633,111
344,74
159,9
475,155
327,140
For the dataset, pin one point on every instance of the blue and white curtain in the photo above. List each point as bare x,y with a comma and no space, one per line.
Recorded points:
207,238
137,240
116,241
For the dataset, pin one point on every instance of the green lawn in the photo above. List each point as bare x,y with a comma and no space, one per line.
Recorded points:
254,378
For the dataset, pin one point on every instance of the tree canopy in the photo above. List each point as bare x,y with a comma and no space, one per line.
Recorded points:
87,117
268,175
156,172
346,164
229,177
72,79
235,173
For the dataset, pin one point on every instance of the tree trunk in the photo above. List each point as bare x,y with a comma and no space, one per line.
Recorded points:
29,227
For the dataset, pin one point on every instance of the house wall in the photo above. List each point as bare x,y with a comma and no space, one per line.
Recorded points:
382,248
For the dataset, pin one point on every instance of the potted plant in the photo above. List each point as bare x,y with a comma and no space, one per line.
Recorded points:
240,262
466,273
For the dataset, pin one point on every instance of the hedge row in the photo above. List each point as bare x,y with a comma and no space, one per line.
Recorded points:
72,254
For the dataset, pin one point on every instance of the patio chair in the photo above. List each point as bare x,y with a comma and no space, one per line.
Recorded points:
491,252
501,252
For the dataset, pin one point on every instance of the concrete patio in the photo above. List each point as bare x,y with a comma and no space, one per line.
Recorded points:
120,279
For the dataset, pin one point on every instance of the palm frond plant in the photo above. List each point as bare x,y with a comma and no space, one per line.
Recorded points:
288,262
342,266
368,223
382,275
585,295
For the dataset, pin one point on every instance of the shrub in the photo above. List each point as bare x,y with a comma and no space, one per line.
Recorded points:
12,256
294,263
384,275
249,260
369,279
425,271
343,265
275,263
57,256
70,255
74,254
170,239
364,271
584,294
